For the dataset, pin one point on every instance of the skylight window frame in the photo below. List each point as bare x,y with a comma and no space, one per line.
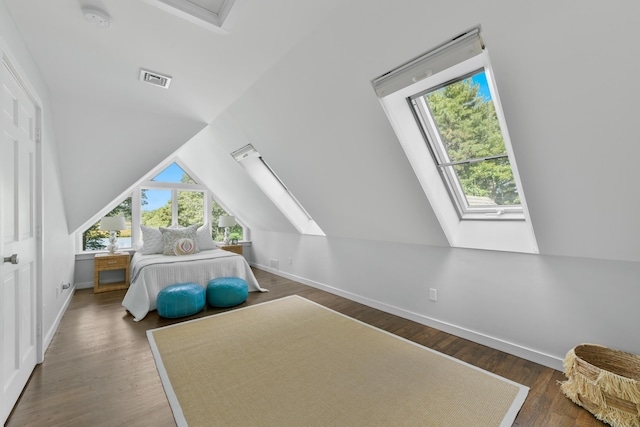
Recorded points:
445,62
275,189
433,140
219,21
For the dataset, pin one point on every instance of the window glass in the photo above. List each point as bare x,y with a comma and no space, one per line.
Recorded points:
463,132
190,208
173,173
235,232
94,239
156,208
172,197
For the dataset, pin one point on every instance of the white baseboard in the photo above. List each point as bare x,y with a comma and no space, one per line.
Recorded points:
84,285
46,341
530,354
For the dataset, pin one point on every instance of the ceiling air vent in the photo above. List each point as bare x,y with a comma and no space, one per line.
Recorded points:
155,78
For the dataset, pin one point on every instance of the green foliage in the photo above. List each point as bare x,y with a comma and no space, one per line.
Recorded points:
157,218
217,233
469,129
190,211
93,237
190,207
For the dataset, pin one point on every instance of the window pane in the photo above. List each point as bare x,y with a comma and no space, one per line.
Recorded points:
190,208
173,173
93,239
466,119
235,232
156,208
487,183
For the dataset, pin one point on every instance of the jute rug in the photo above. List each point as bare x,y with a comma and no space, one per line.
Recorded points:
292,362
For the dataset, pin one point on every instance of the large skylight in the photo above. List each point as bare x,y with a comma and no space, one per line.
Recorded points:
274,188
445,110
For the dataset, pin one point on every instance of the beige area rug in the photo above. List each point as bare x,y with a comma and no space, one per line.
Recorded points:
292,362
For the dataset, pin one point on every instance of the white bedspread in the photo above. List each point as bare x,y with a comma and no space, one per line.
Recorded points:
152,273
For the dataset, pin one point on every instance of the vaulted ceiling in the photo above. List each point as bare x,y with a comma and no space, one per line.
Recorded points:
293,78
101,108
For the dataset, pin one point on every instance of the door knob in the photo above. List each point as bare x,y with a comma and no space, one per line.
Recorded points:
13,259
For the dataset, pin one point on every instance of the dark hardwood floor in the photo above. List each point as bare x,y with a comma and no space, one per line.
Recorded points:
99,371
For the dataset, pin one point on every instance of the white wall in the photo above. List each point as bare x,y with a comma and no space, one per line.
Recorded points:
316,120
533,306
57,263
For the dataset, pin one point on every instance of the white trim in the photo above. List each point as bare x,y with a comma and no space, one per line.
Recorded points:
48,337
19,74
551,361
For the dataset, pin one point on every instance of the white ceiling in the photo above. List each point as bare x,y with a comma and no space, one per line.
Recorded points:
209,70
102,110
293,78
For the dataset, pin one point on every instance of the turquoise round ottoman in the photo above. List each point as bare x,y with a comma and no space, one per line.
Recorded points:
182,299
227,291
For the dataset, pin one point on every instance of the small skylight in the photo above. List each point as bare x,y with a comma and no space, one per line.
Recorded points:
274,188
211,14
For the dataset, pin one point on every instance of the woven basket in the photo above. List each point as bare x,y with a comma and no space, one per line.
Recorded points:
604,381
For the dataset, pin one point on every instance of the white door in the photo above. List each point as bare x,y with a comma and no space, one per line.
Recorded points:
18,351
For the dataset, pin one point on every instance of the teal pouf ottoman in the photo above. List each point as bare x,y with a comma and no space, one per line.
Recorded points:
180,300
227,291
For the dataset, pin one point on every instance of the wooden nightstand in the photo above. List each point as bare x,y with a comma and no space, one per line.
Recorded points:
108,262
232,248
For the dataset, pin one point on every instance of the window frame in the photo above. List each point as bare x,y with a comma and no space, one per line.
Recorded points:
136,207
446,62
175,189
445,166
275,189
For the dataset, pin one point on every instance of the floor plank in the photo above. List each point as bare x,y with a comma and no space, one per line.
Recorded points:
99,371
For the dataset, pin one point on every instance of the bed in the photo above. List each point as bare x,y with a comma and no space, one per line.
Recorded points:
151,273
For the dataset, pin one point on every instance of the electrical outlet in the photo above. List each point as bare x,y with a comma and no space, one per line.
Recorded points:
433,294
290,260
275,264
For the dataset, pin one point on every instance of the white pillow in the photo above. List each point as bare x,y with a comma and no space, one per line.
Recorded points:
204,239
151,240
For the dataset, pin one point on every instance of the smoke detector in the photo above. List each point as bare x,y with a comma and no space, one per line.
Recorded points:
155,79
96,16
